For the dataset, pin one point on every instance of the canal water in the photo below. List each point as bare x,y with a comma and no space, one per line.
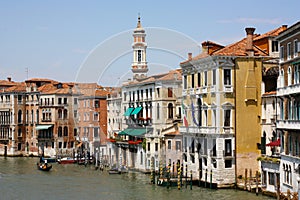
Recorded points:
20,179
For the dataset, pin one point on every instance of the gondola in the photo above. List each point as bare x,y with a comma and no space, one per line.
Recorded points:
44,166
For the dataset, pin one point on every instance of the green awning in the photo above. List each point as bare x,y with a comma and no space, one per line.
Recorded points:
137,132
133,132
136,110
122,133
128,111
42,127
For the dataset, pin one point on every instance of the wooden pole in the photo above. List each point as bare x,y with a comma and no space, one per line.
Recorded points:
256,176
191,183
246,173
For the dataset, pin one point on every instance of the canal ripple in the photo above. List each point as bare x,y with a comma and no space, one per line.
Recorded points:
19,179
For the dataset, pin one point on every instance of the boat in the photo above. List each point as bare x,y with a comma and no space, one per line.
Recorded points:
121,170
49,160
44,166
66,160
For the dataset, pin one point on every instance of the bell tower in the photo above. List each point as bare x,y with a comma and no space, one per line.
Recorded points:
139,66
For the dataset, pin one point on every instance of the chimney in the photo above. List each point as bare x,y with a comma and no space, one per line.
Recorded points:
249,41
190,56
9,79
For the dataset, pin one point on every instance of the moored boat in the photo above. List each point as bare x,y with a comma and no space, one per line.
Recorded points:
66,160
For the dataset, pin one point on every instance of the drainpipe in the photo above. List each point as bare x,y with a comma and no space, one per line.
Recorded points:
235,142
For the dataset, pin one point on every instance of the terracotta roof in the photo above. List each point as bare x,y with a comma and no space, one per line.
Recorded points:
272,33
19,87
51,88
271,93
169,76
239,48
7,83
173,133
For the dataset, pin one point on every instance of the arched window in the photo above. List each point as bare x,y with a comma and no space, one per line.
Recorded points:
59,114
281,78
20,116
65,113
170,110
59,131
289,76
65,131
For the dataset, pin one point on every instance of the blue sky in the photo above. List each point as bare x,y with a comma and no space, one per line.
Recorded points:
53,39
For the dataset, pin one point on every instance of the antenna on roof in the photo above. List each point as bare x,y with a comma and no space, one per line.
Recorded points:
27,71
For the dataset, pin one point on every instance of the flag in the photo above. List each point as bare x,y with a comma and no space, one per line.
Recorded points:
185,122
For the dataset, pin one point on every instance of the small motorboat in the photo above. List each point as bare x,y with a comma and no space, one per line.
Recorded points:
66,160
44,166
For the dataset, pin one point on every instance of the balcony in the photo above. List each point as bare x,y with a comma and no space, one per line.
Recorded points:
204,90
228,88
288,124
192,91
292,89
212,88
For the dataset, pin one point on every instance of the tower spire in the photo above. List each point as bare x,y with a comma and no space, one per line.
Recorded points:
139,25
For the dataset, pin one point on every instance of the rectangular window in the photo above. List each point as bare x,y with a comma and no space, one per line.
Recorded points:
96,132
158,92
295,48
178,146
228,163
205,78
170,92
228,147
271,178
65,145
193,80
124,96
96,116
227,77
59,100
214,149
157,110
150,92
289,52
75,101
156,146
184,82
281,55
274,46
227,118
199,80
169,144
75,114
97,104
148,144
65,101
214,77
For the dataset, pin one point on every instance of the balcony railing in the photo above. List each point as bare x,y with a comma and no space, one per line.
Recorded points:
292,89
228,88
288,124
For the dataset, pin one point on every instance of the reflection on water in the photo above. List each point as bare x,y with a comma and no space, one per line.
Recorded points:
20,179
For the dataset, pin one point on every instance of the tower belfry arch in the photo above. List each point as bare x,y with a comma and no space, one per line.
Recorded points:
139,66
